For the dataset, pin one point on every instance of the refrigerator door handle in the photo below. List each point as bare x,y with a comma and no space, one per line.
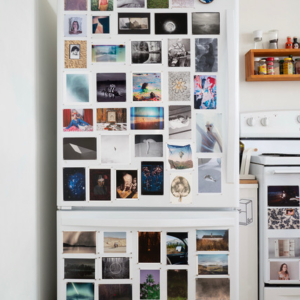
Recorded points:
232,98
286,172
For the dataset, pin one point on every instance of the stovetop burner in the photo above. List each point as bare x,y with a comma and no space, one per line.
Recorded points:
280,155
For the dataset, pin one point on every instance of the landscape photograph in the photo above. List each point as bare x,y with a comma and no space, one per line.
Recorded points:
134,23
80,291
108,53
115,292
180,157
177,285
79,242
150,284
212,264
79,268
147,118
206,23
146,52
212,240
114,242
149,247
212,289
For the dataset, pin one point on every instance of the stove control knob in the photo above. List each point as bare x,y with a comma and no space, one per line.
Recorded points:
264,121
251,121
298,119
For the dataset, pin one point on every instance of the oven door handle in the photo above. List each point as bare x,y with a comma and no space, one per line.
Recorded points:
286,172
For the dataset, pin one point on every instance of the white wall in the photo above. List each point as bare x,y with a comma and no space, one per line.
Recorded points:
267,15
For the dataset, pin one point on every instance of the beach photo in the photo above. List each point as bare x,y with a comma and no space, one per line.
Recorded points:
147,118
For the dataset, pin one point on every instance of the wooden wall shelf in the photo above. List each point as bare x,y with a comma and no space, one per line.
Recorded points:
249,64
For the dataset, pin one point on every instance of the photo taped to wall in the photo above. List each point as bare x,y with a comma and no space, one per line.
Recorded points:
149,247
79,148
111,119
152,178
74,184
101,24
179,52
75,25
146,52
127,184
150,284
147,118
180,122
77,88
134,23
146,86
102,5
77,120
171,23
177,248
115,268
179,86
206,55
114,242
75,54
181,188
206,23
205,92
115,292
100,184
75,242
108,53
150,145
209,175
80,290
75,4
177,284
79,268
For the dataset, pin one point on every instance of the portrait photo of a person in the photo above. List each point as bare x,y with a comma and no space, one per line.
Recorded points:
100,188
283,273
74,51
77,122
75,27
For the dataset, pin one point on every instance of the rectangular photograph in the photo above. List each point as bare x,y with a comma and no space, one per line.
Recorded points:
74,184
111,87
100,24
212,264
131,4
179,52
180,122
212,240
209,175
75,54
180,157
147,118
75,242
134,23
75,4
206,55
209,133
78,120
284,247
146,86
78,290
75,26
205,92
146,52
149,284
102,5
127,184
212,288
181,188
284,270
283,195
177,285
115,268
114,242
108,53
100,184
182,3
111,119
79,268
149,247
177,248
115,291
179,86
206,23
171,23
79,148
283,218
77,88
157,3
149,145
152,178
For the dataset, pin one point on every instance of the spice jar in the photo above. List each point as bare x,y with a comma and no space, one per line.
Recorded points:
256,65
262,67
288,66
276,66
297,66
270,66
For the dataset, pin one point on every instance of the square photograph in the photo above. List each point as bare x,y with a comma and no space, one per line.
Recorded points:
111,119
77,89
100,184
180,157
75,4
147,118
102,5
74,184
149,145
283,195
179,86
115,268
75,26
152,178
212,240
181,188
209,175
75,54
149,284
177,248
157,3
146,86
134,23
79,148
179,52
205,92
182,3
146,52
101,24
80,290
115,292
283,218
149,247
75,242
108,53
130,3
114,242
171,23
212,288
78,120
127,184
212,264
284,270
206,23
206,55
177,285
79,268
180,122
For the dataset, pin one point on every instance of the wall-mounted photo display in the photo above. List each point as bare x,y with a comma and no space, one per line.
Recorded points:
101,5
152,178
130,3
74,184
182,3
76,242
180,157
134,23
115,149
212,240
181,188
177,248
76,4
283,195
80,290
100,184
75,54
114,242
115,291
149,247
284,270
79,148
212,288
146,86
77,89
127,184
79,268
113,53
212,264
111,119
179,86
115,268
111,87
146,52
206,55
100,24
177,284
77,120
157,3
180,122
206,23
209,175
283,218
284,247
75,25
171,23
205,92
179,52
209,133
149,284
149,145
147,118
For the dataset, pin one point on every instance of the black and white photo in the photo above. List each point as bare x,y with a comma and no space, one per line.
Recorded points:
79,268
180,122
130,3
179,52
179,86
171,23
206,55
134,23
115,268
181,188
149,145
74,51
75,242
206,23
146,52
79,148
